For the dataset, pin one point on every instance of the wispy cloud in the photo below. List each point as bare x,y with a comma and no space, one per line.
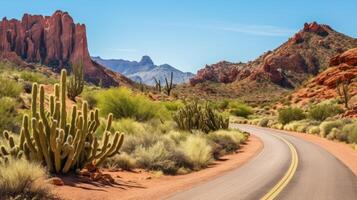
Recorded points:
123,50
260,30
252,29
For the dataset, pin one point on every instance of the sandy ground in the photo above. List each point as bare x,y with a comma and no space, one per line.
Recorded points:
145,185
340,150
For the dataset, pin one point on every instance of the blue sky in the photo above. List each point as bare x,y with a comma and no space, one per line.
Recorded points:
189,34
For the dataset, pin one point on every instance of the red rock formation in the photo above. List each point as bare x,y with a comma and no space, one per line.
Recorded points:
223,72
55,41
323,86
303,56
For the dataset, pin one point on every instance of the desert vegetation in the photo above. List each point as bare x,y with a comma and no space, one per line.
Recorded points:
63,132
322,119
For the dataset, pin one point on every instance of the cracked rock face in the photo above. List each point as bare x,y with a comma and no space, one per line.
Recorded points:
55,41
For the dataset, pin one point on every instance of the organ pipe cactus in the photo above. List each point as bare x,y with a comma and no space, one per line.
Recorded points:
61,142
10,149
76,81
194,116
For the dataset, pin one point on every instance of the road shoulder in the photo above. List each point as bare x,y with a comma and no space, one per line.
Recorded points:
342,151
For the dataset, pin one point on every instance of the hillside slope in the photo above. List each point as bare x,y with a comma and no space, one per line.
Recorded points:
275,72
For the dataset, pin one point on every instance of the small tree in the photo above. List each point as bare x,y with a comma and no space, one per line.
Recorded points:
76,82
343,91
169,85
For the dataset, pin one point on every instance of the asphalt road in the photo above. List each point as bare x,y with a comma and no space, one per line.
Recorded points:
319,175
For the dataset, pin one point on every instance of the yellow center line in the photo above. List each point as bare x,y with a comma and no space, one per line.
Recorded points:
274,192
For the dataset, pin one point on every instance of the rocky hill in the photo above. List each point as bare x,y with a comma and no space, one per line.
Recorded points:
55,41
343,67
145,70
304,55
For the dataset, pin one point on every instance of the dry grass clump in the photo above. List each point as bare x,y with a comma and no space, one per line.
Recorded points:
198,151
23,179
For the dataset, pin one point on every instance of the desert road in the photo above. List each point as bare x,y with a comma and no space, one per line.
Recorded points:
286,168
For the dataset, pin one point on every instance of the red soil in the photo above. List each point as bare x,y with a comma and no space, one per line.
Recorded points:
144,185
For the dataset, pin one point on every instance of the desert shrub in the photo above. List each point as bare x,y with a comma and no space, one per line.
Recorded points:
323,111
221,104
162,157
158,126
226,141
263,122
327,126
131,142
300,126
289,114
36,77
240,109
197,117
24,180
333,133
9,88
129,126
123,161
173,105
124,104
197,150
314,130
9,119
177,136
351,132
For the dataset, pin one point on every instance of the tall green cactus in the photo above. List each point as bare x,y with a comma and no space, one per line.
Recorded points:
76,82
194,116
11,149
169,84
63,145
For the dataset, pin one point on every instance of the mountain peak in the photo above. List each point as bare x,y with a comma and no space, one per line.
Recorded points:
146,60
314,27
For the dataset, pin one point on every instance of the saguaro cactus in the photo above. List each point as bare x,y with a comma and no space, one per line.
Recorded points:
60,145
157,84
169,85
76,82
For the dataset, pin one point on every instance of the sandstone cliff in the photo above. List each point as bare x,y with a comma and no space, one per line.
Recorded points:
55,41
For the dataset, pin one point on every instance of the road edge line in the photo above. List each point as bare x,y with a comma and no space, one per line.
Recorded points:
274,192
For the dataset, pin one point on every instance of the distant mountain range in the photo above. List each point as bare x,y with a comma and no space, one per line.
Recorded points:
145,70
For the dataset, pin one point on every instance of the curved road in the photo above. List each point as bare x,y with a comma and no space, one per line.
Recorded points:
318,175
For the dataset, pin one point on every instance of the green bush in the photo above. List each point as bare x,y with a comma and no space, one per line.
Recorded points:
315,130
323,111
351,131
327,126
10,88
240,109
24,180
263,122
289,114
198,151
9,119
36,77
173,105
124,104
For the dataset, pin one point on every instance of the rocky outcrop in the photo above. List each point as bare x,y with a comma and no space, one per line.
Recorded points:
222,72
55,41
323,86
